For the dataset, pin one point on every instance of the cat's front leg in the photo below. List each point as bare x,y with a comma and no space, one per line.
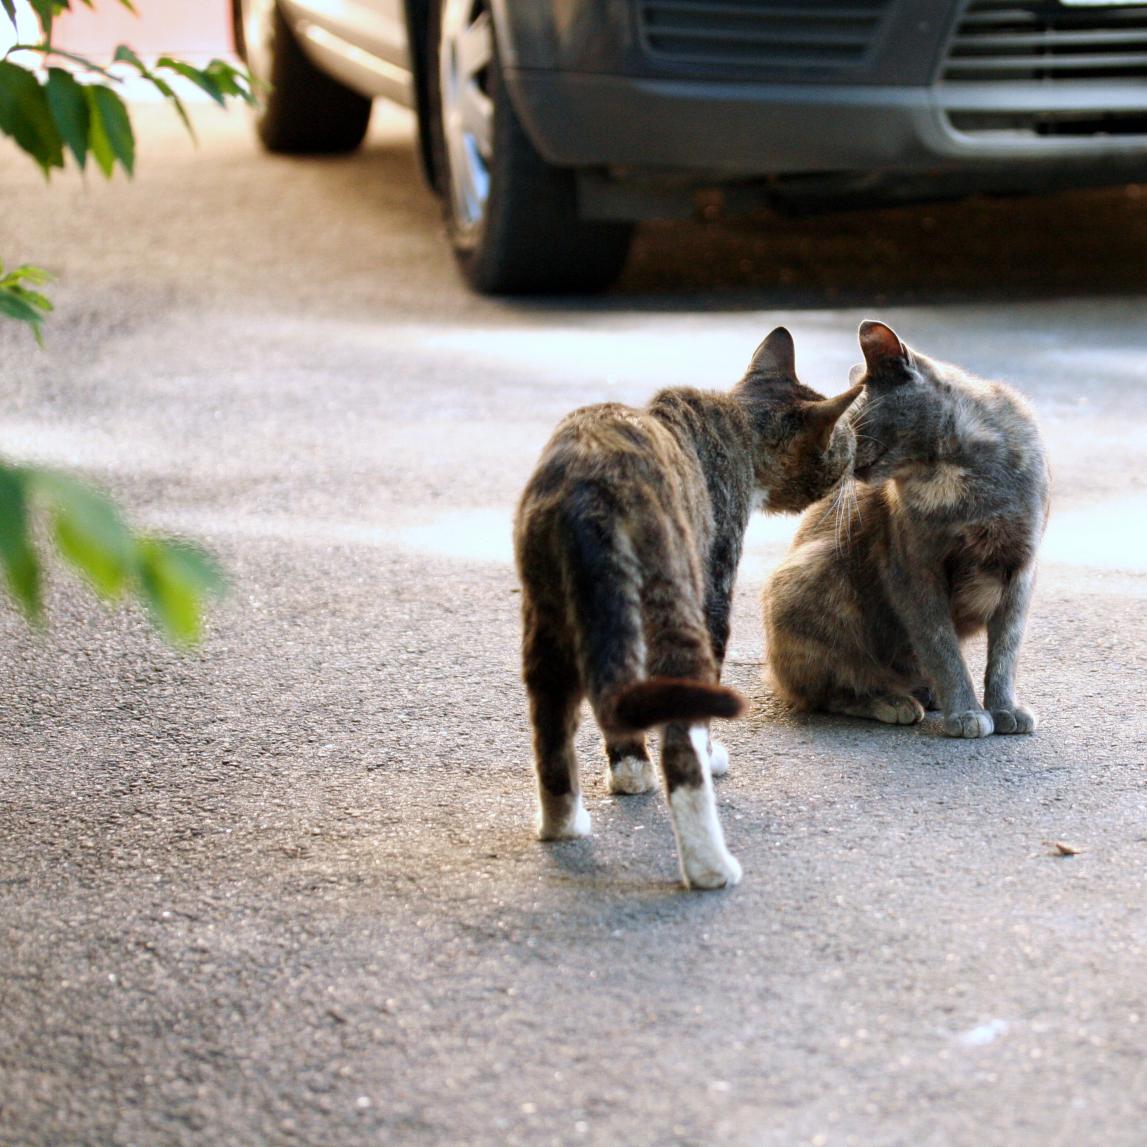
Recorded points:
1005,635
922,601
705,860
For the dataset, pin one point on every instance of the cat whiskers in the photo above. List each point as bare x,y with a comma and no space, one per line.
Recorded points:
845,505
869,406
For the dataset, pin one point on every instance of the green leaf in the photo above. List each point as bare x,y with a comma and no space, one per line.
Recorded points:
28,274
100,144
26,117
18,302
32,298
230,80
15,306
45,10
125,55
166,91
175,577
21,566
89,531
111,137
69,108
196,566
199,78
9,7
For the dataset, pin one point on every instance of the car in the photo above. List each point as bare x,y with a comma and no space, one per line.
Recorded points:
548,127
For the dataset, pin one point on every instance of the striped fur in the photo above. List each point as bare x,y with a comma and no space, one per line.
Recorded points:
627,539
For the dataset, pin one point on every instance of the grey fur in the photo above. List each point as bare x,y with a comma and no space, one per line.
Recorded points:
866,614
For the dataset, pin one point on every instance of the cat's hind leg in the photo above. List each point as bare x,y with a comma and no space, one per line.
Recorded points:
630,769
705,860
562,812
555,692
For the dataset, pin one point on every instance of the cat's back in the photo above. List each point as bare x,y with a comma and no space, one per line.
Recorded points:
610,445
998,435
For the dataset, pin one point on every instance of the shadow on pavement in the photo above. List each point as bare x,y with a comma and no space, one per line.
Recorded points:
1069,245
1077,244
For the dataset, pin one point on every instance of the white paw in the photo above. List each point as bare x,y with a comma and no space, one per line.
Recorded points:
631,775
712,871
970,723
718,759
563,818
705,861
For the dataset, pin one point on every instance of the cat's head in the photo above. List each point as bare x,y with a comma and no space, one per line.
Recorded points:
804,445
908,418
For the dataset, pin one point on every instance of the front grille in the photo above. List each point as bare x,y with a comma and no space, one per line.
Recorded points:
1043,68
818,35
1049,42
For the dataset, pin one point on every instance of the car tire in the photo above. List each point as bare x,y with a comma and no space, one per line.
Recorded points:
302,110
512,218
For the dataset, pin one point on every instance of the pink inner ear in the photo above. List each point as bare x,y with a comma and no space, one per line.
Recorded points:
879,342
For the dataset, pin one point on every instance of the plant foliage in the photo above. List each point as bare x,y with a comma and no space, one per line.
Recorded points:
53,104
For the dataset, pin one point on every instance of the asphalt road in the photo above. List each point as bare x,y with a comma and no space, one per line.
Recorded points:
284,891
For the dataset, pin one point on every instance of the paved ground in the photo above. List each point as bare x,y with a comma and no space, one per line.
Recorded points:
284,891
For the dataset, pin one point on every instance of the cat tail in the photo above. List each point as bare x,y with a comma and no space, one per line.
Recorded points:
658,700
604,576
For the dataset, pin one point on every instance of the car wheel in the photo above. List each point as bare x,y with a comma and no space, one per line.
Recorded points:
512,218
301,109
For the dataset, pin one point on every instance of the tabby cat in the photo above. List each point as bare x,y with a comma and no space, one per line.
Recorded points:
866,614
627,539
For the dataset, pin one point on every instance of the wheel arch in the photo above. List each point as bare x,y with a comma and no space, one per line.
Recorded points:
417,32
238,41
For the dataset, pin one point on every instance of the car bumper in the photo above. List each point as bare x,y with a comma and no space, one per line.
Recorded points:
745,130
892,86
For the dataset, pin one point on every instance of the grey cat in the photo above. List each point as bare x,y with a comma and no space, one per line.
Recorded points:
627,538
866,614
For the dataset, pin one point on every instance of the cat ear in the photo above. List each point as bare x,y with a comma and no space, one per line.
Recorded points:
822,417
776,355
856,374
884,353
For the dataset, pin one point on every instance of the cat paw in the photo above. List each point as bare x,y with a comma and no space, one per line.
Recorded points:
705,860
1014,719
631,775
926,697
563,818
896,709
718,759
712,871
971,723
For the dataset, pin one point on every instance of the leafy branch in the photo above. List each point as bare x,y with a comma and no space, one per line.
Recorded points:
19,300
50,112
90,533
